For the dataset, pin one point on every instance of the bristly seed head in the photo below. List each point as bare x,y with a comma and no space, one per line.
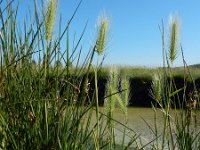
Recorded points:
173,38
50,18
102,35
157,89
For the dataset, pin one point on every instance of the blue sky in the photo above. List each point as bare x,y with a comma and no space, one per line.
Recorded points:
134,37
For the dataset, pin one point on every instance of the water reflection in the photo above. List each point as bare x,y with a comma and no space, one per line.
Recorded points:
147,121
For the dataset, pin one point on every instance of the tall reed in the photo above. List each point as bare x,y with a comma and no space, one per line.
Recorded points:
178,132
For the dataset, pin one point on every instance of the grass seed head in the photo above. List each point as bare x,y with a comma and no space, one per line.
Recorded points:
102,35
156,87
173,38
50,18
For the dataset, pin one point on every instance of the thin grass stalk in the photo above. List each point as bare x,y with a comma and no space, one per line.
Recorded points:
68,24
58,63
67,52
172,57
165,96
49,25
97,107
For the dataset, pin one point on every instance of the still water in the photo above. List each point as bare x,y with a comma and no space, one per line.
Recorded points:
144,120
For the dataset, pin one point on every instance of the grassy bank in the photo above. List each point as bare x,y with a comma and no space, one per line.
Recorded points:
149,72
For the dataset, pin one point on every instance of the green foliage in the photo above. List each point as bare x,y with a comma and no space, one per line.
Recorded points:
180,131
43,104
118,96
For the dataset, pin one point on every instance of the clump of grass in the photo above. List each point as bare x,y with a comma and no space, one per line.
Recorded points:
37,106
43,104
178,132
118,91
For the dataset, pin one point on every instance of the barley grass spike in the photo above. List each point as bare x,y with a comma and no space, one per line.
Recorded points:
102,35
50,18
173,39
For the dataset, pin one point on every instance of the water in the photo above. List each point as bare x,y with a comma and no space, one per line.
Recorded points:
143,122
